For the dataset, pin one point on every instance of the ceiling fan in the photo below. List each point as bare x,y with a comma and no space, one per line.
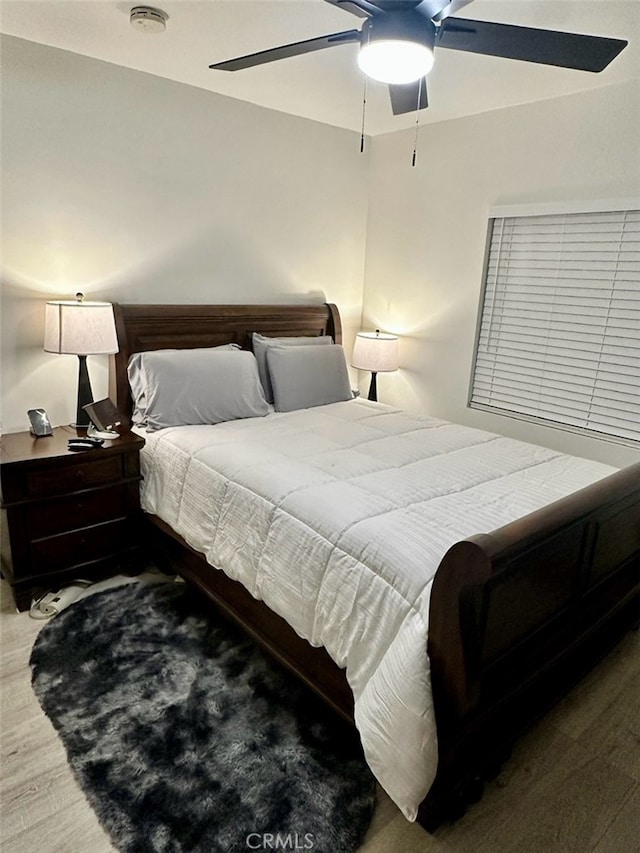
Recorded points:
398,38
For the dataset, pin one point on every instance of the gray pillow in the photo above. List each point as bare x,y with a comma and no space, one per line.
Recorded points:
304,376
198,386
262,344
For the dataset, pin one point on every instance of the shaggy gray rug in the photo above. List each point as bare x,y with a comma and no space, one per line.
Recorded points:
184,737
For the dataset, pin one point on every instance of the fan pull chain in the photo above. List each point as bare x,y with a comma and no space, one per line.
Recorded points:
415,141
364,110
364,104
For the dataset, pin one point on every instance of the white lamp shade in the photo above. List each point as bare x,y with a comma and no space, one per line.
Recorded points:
375,352
80,328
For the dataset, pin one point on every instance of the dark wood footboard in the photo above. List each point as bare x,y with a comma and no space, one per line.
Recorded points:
517,616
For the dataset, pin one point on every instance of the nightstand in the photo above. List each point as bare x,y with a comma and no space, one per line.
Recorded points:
65,515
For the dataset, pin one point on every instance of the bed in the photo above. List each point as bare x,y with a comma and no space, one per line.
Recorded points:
515,615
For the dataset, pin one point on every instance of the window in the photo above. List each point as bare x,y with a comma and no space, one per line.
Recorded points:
559,326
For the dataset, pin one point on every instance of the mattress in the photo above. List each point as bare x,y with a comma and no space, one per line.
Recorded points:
337,518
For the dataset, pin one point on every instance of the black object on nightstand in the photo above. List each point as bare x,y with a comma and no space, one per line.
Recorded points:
66,515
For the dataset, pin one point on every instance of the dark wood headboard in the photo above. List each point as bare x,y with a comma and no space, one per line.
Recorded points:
141,328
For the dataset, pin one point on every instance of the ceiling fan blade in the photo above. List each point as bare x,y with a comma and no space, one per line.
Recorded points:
451,8
566,50
286,50
408,97
361,8
374,7
435,9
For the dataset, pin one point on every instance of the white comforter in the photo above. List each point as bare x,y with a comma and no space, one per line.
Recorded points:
337,518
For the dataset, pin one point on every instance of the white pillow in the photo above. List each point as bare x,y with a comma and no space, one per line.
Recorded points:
262,344
304,376
197,386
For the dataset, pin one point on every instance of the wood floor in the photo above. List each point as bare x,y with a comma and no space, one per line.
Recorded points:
571,786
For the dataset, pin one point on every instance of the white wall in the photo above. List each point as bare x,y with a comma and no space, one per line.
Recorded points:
427,231
133,188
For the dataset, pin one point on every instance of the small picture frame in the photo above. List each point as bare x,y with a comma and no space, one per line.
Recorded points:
105,416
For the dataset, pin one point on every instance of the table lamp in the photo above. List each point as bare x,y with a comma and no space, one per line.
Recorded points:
80,328
375,352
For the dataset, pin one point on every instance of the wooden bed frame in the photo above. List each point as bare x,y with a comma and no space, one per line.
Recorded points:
517,616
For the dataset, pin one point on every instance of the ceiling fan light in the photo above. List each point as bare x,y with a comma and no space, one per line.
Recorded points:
395,60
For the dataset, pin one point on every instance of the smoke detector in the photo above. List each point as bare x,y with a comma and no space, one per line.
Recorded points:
148,20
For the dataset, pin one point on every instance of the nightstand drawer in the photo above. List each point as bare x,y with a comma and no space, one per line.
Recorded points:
84,508
69,478
80,546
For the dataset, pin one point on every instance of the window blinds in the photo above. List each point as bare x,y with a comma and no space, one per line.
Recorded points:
559,329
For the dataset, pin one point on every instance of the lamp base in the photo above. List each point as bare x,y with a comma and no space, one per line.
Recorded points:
85,395
373,388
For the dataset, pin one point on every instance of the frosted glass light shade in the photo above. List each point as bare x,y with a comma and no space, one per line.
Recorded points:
80,328
395,60
375,352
